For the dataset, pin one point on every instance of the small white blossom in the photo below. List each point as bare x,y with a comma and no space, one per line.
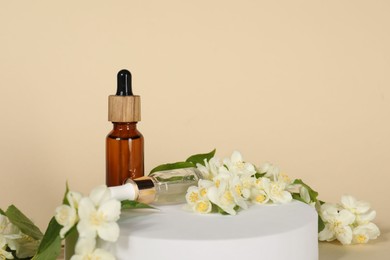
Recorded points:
353,205
202,206
210,168
363,233
270,171
222,197
98,215
277,192
337,224
66,215
192,195
259,196
237,190
236,165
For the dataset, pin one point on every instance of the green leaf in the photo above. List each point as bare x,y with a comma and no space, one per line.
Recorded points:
50,247
259,175
199,158
312,193
321,224
25,225
131,204
172,166
65,199
297,196
2,212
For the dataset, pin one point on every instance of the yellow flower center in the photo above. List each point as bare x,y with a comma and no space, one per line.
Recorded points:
202,207
97,218
240,165
238,189
260,198
337,227
228,196
203,192
285,178
217,183
361,238
276,189
194,197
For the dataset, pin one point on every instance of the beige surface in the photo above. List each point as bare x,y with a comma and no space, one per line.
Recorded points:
303,84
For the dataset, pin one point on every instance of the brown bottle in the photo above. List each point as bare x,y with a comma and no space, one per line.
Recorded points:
124,144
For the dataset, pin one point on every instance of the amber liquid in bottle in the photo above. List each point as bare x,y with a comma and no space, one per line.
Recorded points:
124,153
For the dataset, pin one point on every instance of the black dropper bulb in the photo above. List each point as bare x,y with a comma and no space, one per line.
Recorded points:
124,83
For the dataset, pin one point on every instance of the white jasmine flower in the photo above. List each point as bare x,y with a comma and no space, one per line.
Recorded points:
353,205
259,196
202,206
98,215
270,171
237,191
277,192
224,175
204,185
222,197
192,195
66,215
363,233
85,249
210,169
337,224
247,184
236,165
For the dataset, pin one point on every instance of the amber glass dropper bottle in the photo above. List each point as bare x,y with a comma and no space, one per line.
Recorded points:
124,144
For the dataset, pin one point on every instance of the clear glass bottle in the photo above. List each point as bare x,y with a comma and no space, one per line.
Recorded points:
163,187
124,144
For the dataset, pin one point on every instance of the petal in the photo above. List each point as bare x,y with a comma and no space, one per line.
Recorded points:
64,214
85,229
236,157
74,198
326,234
108,231
64,230
345,237
111,210
85,245
366,218
346,217
100,195
351,203
304,193
86,208
348,201
370,229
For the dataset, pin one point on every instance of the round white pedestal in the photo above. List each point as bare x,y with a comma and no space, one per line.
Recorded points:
272,232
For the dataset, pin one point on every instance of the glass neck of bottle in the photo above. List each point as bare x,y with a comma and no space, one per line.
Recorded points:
124,125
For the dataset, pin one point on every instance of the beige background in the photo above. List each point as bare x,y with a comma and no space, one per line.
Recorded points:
302,84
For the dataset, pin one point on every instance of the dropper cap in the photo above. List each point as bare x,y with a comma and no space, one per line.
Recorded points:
124,106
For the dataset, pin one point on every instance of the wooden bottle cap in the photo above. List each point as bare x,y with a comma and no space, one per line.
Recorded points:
123,109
